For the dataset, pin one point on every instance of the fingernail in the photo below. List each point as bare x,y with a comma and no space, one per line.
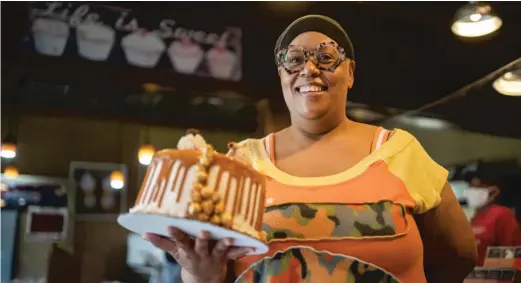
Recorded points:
203,235
146,236
228,242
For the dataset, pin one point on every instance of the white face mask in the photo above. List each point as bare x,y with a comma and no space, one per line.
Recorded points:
477,197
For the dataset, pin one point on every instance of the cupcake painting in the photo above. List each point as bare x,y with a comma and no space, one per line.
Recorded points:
143,48
221,61
50,36
185,55
94,41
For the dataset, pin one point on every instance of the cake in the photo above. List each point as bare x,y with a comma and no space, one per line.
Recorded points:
143,48
94,41
195,182
185,55
221,61
50,36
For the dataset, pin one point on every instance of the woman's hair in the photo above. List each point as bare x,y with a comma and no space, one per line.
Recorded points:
316,23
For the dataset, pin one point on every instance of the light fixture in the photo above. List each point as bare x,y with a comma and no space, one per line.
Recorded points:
11,172
475,20
145,154
509,83
8,149
117,179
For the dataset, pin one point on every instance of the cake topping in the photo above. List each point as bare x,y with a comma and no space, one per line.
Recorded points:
192,140
240,152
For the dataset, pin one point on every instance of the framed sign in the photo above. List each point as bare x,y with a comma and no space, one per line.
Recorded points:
95,196
113,34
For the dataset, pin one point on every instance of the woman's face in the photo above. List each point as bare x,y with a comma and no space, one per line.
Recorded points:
331,99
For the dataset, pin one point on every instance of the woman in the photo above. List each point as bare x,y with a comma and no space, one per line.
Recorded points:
493,224
345,200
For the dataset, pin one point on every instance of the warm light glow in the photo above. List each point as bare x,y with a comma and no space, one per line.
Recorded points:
11,171
8,150
4,187
145,154
508,84
475,17
2,203
117,180
472,28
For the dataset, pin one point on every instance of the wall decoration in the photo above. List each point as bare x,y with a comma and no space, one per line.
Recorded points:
118,35
94,198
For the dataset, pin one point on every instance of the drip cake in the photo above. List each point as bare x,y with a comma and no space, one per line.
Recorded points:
194,182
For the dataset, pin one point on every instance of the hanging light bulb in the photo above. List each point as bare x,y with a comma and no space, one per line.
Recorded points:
117,179
8,150
475,20
145,154
509,83
11,171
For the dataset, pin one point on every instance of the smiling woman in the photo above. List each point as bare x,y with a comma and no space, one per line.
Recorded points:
345,201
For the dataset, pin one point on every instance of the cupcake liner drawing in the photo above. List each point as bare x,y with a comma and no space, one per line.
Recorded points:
95,41
221,61
107,200
185,56
88,184
50,36
142,48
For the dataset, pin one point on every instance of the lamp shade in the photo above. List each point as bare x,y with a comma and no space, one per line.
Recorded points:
117,180
8,150
11,171
475,20
145,154
509,84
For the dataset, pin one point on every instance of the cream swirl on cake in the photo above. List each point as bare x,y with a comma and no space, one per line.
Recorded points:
196,182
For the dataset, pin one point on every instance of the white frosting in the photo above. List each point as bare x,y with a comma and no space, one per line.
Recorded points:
54,27
191,141
221,56
94,31
146,41
185,49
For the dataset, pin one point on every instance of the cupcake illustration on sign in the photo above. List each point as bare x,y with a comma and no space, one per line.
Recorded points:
88,184
185,55
221,61
94,40
50,36
143,48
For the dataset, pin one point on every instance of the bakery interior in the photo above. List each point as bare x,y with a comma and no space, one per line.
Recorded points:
72,108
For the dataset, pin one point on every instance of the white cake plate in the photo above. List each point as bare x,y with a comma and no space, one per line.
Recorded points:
158,224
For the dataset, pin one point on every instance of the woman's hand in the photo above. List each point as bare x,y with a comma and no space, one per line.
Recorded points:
202,260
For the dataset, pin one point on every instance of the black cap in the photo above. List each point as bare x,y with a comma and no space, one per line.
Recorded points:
317,23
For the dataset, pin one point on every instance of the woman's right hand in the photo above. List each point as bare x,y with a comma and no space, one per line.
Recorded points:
204,261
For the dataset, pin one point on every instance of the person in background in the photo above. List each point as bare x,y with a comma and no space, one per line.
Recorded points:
172,270
493,224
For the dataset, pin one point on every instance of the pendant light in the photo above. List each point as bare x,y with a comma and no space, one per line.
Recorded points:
11,172
146,151
509,84
117,179
8,150
475,20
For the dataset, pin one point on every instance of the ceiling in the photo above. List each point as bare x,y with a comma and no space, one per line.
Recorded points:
406,57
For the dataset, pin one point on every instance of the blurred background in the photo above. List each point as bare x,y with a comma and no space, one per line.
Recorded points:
91,89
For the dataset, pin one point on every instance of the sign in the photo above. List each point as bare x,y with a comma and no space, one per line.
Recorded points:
95,198
104,33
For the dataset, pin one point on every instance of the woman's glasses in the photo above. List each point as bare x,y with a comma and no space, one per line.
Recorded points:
327,56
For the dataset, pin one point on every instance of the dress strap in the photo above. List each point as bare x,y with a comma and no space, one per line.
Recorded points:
380,137
269,145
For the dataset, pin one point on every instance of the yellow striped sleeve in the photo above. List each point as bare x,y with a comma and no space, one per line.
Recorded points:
422,176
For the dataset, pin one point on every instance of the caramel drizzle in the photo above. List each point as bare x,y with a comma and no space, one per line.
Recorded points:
248,202
174,181
260,212
162,185
180,192
145,185
255,201
152,183
238,197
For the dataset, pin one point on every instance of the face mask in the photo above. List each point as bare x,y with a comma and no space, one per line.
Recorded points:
476,197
